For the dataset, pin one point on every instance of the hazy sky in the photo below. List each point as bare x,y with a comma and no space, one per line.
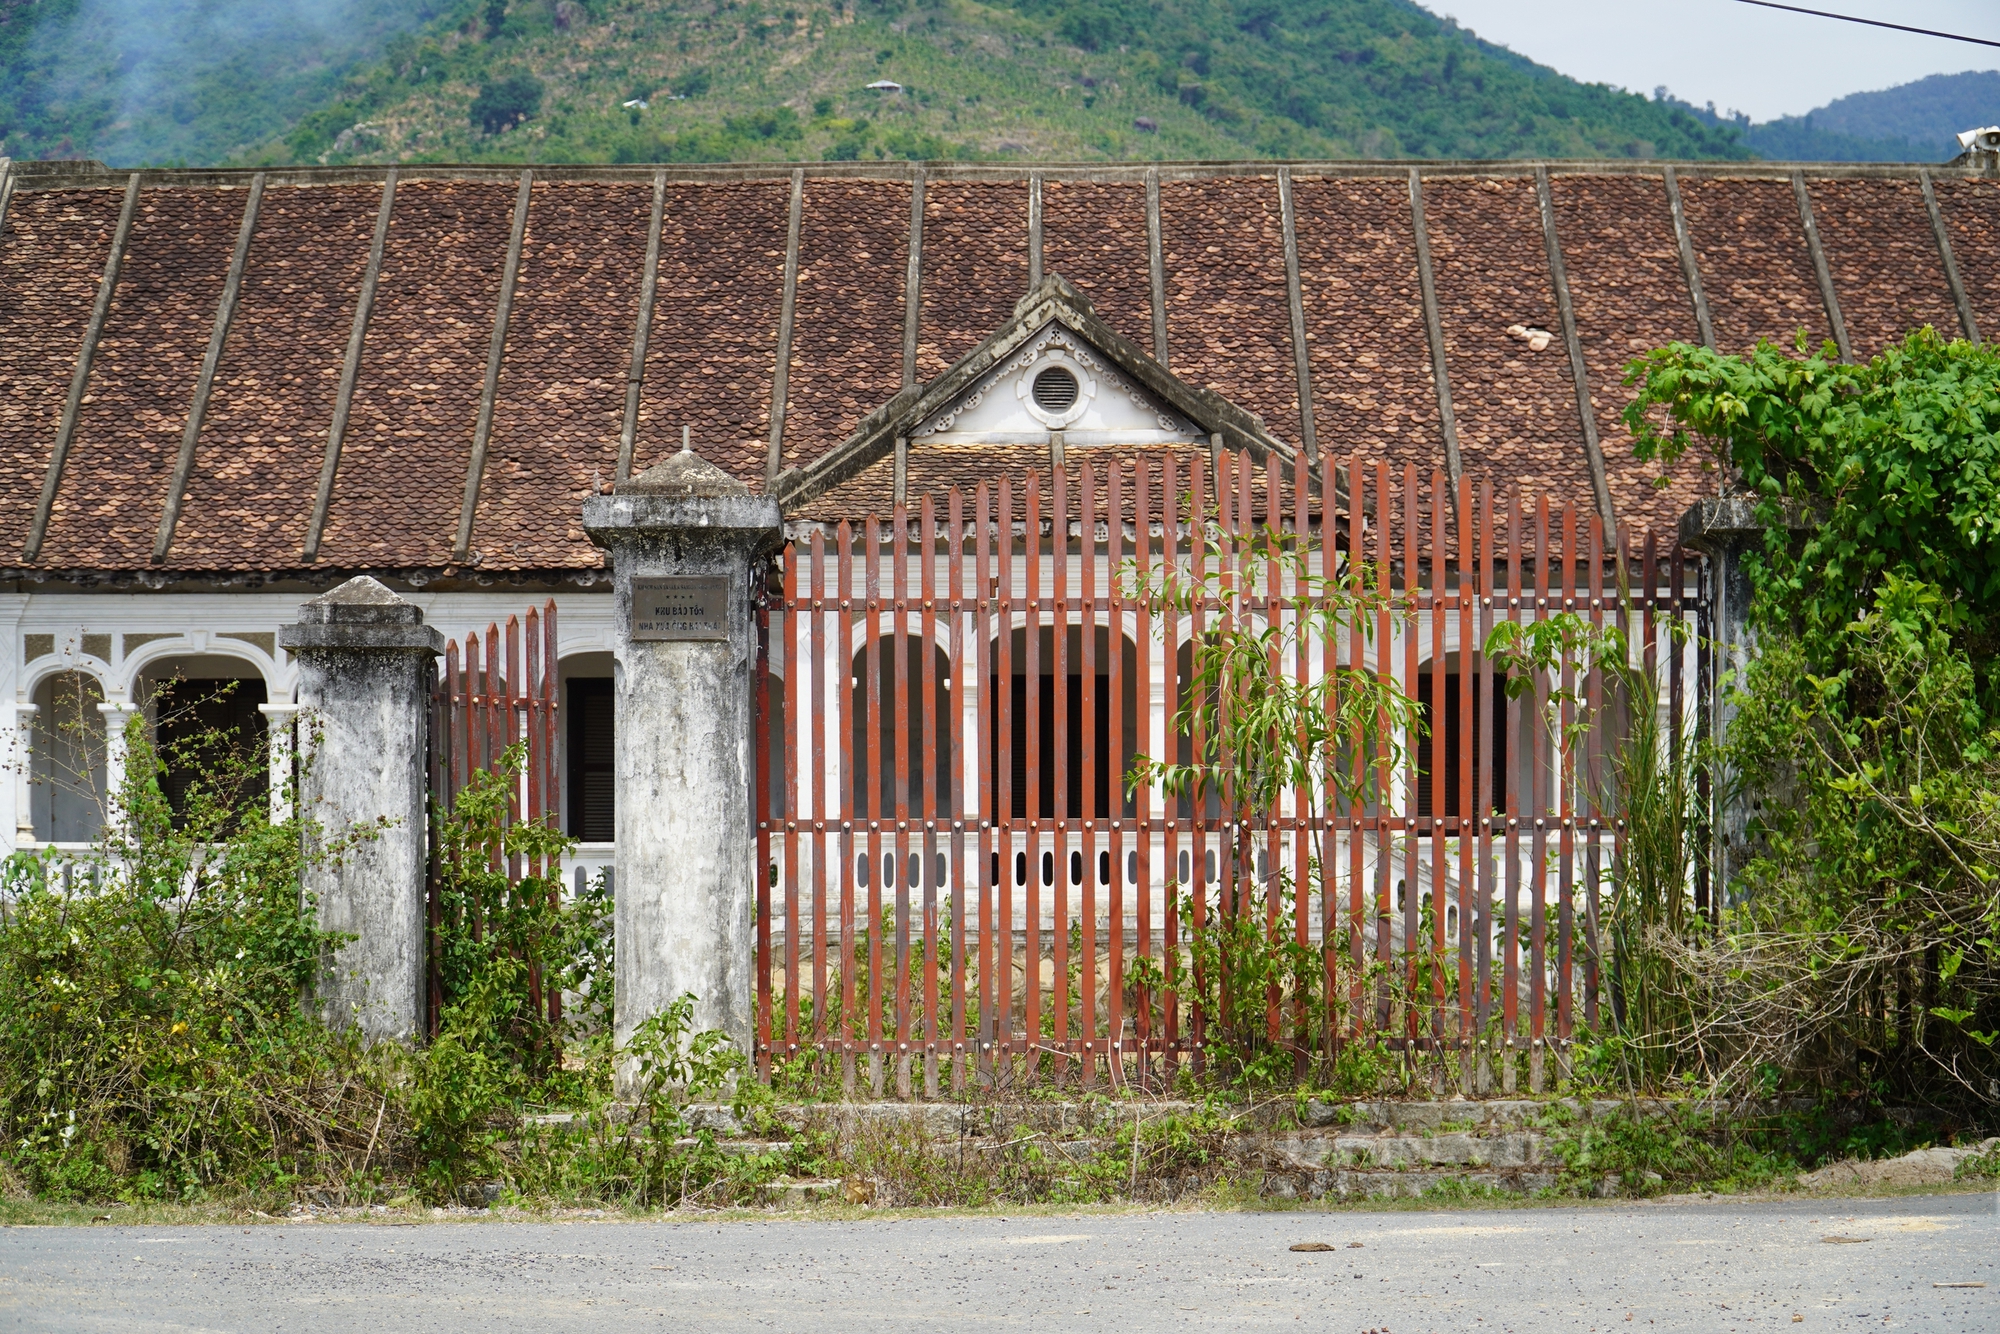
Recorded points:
1756,60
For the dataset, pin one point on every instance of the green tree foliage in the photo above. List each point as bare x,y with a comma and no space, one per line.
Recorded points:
1866,949
151,1039
505,102
1255,732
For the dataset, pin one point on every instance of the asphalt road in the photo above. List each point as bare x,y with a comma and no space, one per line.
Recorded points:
1707,1266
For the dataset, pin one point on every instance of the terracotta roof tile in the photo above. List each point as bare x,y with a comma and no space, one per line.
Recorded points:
1884,261
257,463
714,346
847,337
1371,359
975,266
409,434
1095,236
1755,268
1630,295
50,263
1971,212
1516,408
561,397
1228,322
128,433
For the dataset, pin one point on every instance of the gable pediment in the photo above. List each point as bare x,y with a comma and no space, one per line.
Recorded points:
1056,380
1052,371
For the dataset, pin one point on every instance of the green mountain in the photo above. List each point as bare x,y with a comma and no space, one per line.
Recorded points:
708,80
1912,122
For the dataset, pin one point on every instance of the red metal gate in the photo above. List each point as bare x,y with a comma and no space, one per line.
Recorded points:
958,885
488,697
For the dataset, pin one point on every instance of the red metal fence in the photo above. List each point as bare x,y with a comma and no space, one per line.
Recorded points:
490,696
960,887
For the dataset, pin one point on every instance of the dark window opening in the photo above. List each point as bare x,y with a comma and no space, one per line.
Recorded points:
1100,742
211,737
593,714
1489,745
1049,795
877,800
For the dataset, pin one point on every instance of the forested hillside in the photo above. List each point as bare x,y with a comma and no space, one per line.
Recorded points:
203,81
137,81
1912,122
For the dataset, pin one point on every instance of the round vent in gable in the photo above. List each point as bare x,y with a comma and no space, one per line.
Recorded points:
1055,390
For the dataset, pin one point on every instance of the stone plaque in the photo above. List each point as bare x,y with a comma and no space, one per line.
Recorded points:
680,607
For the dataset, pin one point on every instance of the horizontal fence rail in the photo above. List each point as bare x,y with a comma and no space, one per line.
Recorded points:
493,692
959,884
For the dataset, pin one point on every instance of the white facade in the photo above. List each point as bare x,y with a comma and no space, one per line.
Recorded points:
120,643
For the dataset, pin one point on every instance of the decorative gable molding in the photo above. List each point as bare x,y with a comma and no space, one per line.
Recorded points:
1123,396
1108,407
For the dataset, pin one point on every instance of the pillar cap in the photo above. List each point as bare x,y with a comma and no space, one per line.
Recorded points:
684,474
362,615
1721,521
688,498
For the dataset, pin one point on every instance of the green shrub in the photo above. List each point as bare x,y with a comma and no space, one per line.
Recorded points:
505,102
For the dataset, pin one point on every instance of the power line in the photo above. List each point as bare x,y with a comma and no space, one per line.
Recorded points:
1873,23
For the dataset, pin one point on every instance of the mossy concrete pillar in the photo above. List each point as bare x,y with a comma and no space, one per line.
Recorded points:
365,673
686,543
1726,529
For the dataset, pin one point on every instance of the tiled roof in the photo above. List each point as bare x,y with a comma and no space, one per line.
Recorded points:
559,402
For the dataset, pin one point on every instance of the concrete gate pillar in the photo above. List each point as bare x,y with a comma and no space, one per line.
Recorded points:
685,539
1726,529
365,671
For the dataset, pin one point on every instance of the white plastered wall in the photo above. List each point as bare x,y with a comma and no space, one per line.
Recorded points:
112,638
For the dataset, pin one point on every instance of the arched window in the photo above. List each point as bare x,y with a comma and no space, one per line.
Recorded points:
1449,742
928,728
207,730
67,791
1041,758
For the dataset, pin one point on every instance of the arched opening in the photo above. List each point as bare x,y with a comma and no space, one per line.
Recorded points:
1183,697
1453,743
207,731
1046,752
66,795
589,727
927,730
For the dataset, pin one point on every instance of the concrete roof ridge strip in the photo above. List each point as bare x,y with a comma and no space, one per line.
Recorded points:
642,329
1434,328
1097,172
482,430
80,376
1157,266
7,179
1968,323
1586,411
1690,266
1828,297
913,278
350,366
225,313
1034,230
781,372
1301,357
